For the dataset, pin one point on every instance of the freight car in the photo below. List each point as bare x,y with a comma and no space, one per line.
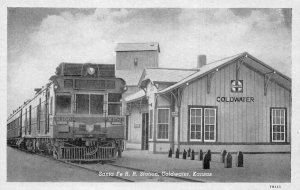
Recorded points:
76,116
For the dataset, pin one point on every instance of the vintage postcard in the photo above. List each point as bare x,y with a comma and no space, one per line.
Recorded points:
125,93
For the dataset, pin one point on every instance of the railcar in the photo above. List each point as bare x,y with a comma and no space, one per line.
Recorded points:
76,116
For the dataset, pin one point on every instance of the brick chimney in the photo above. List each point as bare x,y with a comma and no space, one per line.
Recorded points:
201,61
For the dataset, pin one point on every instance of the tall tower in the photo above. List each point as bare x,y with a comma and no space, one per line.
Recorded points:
132,58
137,56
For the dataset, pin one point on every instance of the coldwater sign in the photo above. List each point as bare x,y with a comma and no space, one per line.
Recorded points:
235,99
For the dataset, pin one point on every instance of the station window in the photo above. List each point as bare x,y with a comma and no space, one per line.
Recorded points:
278,124
163,115
114,103
89,103
209,124
195,124
63,103
202,124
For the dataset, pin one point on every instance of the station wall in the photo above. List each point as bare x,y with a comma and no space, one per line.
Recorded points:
237,122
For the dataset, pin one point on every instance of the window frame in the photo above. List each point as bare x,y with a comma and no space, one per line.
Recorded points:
215,124
284,125
114,103
55,102
168,123
105,96
190,125
202,124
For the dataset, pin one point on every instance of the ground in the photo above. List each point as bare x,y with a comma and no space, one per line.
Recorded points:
24,167
257,167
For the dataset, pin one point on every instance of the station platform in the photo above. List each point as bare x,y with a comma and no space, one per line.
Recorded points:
257,167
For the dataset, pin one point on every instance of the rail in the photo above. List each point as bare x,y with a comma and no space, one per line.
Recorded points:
86,153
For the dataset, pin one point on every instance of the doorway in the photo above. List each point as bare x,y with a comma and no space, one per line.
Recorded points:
145,129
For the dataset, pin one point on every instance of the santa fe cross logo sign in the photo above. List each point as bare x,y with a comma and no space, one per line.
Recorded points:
237,86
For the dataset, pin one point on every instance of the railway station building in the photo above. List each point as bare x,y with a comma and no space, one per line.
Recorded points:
238,103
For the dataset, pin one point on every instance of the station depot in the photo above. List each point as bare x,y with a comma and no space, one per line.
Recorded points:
237,103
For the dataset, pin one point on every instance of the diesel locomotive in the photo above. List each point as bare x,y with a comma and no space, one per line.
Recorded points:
77,115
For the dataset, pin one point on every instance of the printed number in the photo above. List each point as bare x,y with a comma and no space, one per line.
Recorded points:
275,186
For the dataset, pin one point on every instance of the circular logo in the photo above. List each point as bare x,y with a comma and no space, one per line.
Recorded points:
89,128
91,70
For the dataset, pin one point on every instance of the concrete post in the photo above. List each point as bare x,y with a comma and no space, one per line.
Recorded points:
209,154
200,155
170,153
193,155
239,159
222,156
184,154
206,162
177,153
119,152
228,161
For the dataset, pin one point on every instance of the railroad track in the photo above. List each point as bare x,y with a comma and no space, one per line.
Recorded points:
74,165
96,168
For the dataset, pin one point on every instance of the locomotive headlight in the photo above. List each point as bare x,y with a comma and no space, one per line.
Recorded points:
91,70
55,86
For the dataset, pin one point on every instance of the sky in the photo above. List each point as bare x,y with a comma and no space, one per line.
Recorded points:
38,39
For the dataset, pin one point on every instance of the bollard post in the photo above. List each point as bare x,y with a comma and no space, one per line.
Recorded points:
119,152
222,156
170,153
189,152
184,154
200,155
206,162
228,160
177,153
193,155
209,154
239,159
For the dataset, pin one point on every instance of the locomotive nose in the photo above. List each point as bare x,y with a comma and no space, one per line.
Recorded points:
89,128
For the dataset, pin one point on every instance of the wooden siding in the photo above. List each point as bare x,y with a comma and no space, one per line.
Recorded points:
125,60
241,121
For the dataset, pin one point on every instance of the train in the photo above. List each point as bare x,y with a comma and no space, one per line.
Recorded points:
77,115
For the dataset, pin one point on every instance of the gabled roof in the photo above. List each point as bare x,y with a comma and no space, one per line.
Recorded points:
165,75
131,77
132,97
248,59
150,46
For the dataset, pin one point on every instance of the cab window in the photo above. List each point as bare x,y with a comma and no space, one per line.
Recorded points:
89,103
114,103
63,103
